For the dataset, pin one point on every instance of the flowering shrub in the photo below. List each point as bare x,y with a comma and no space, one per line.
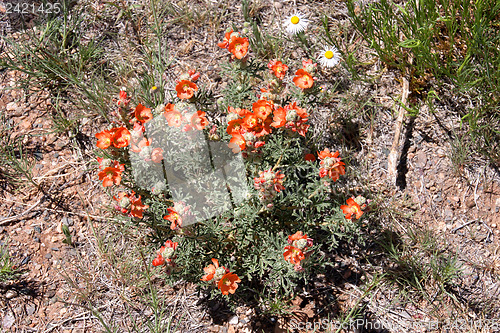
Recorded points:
227,181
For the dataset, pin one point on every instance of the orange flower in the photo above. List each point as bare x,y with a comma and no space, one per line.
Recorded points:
199,120
211,270
168,108
136,206
110,176
136,147
157,155
174,118
121,138
237,143
262,108
185,89
296,236
352,209
303,79
279,118
104,139
310,157
239,112
142,113
235,126
250,121
225,42
238,47
173,217
166,254
293,117
293,255
228,283
278,68
331,165
130,204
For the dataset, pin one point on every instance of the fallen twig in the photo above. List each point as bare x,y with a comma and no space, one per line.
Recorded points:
392,159
463,226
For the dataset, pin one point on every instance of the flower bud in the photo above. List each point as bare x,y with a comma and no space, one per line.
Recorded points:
360,200
219,273
125,202
301,243
168,253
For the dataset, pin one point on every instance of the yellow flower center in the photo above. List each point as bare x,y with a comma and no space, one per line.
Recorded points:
328,54
295,19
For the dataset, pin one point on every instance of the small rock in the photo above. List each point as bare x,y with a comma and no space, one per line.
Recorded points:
234,320
448,214
54,249
11,106
470,203
36,239
55,239
48,256
10,294
497,205
30,309
421,159
67,221
8,320
37,229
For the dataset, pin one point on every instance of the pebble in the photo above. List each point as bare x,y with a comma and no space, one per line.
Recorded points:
36,239
11,106
55,249
30,309
497,205
10,294
37,229
67,221
234,320
48,256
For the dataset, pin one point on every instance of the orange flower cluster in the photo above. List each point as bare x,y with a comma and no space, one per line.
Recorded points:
353,209
118,137
248,127
235,44
166,255
297,250
130,205
176,118
220,275
269,184
278,68
291,117
303,78
111,172
331,165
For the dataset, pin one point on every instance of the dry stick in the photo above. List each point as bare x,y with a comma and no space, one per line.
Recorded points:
393,155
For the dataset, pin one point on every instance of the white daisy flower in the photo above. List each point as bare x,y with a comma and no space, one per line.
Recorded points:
329,56
296,23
